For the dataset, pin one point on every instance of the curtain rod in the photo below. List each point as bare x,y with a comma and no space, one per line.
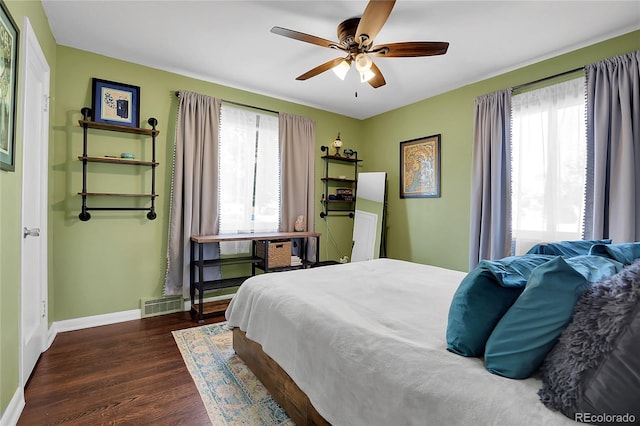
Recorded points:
242,105
523,85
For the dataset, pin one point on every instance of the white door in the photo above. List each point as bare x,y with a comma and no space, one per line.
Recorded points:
35,130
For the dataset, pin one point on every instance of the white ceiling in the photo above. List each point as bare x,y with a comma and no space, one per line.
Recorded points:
230,43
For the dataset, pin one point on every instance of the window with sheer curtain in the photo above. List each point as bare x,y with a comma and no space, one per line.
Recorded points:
249,174
548,164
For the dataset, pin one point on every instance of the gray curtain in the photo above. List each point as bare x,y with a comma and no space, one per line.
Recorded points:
490,233
613,149
297,158
194,187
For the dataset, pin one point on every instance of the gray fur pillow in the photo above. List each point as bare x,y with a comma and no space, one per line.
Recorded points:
593,372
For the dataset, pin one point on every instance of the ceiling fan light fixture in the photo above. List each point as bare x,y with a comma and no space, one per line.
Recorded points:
366,76
341,69
363,62
356,37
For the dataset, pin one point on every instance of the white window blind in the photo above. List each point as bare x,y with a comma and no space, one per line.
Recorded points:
249,179
548,164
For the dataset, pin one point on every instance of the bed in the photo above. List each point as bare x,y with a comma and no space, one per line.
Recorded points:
364,344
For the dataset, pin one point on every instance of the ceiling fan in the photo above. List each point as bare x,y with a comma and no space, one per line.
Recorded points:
356,40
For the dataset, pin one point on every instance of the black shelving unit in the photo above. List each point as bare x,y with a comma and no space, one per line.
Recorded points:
87,124
198,263
338,206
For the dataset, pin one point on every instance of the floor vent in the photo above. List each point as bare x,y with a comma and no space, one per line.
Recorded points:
153,306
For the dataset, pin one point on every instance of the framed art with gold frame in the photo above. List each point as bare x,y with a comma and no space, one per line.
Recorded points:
420,167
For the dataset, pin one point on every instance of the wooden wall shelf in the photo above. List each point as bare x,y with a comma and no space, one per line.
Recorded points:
116,128
347,206
116,160
87,124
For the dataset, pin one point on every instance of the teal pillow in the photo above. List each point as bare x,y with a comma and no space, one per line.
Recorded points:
566,248
528,331
595,268
514,271
481,299
625,253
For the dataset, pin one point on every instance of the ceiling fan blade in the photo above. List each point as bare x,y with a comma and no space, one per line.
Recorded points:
320,69
378,79
410,49
307,38
373,18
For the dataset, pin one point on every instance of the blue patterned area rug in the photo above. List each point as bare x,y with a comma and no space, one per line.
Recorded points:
230,391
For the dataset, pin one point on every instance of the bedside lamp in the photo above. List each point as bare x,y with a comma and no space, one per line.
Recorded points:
337,144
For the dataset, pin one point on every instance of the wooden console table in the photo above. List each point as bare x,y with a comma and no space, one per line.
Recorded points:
198,266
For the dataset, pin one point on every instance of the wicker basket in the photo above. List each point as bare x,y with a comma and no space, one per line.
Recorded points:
279,253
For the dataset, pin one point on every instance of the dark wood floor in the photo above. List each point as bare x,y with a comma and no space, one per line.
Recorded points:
126,373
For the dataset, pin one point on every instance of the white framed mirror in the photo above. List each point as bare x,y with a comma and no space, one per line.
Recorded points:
369,216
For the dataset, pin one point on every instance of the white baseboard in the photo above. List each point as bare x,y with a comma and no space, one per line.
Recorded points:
106,319
111,318
14,409
88,322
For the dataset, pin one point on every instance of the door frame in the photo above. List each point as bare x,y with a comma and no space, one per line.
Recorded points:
32,53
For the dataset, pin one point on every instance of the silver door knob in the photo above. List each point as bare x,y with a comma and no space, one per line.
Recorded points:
33,232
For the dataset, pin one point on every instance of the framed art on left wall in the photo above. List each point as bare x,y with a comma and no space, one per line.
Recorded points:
115,103
8,83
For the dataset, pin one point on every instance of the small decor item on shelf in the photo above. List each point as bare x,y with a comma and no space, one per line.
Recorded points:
337,144
348,152
279,253
299,225
127,155
345,194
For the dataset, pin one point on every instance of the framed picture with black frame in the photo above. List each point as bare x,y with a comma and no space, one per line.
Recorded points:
8,88
420,167
115,103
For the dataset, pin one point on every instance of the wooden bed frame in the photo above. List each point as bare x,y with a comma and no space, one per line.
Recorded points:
294,401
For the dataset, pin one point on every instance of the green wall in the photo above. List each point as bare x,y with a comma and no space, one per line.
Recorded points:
10,215
108,263
436,230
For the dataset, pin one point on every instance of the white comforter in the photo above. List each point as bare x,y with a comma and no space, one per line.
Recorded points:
366,342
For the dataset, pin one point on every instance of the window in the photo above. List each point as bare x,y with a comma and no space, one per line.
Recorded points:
548,164
249,174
